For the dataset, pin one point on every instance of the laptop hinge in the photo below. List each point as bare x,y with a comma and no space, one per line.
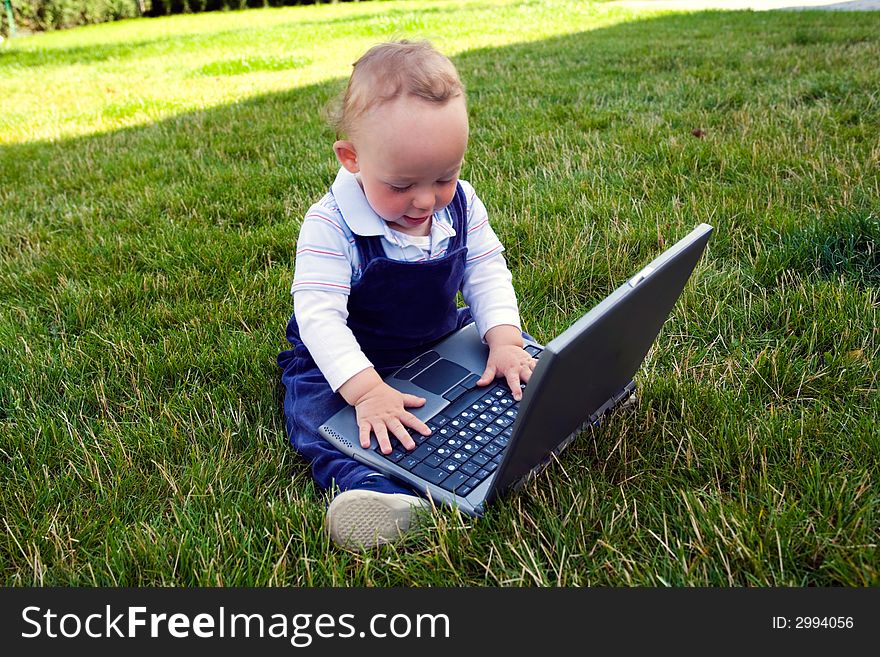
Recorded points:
613,402
624,394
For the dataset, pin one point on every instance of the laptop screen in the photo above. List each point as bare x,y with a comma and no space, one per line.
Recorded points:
589,366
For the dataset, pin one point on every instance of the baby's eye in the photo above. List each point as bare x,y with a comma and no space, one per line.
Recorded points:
399,189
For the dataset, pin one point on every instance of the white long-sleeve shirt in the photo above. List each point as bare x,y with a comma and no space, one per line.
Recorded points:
327,263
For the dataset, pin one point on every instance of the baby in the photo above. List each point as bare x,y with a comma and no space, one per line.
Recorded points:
379,262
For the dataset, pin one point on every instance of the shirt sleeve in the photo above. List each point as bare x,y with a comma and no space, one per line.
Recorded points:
321,316
487,287
324,251
321,284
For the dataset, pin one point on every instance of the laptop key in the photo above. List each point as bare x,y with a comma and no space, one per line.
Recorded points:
409,463
455,481
418,438
473,482
491,450
422,451
470,468
480,459
396,454
462,404
436,440
433,475
434,460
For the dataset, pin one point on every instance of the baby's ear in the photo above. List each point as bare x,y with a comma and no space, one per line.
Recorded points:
346,155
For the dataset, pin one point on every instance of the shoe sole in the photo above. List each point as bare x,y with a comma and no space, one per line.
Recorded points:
364,519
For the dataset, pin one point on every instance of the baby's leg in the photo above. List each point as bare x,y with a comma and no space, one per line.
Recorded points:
308,401
368,508
335,471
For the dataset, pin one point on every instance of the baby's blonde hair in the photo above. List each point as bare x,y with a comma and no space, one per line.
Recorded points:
391,70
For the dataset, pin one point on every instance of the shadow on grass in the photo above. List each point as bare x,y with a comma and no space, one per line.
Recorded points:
147,270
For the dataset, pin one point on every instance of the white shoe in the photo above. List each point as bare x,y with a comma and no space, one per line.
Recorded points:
359,519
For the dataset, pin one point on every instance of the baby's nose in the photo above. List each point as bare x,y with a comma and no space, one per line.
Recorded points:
424,200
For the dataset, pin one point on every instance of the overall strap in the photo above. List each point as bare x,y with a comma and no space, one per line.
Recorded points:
458,211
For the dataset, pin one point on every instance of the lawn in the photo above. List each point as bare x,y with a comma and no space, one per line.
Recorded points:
153,175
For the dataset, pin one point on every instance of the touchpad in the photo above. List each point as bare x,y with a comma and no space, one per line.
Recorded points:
441,376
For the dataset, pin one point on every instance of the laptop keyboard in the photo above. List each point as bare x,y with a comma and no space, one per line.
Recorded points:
467,439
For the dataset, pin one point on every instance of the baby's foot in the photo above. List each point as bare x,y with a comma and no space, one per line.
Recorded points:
361,519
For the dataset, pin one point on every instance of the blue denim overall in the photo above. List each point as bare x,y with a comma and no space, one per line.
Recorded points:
396,311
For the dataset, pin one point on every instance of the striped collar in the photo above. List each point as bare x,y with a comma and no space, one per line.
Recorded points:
363,220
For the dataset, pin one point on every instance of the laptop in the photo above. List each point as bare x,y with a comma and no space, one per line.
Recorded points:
483,444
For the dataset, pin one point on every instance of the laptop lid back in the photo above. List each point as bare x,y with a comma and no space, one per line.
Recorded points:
588,367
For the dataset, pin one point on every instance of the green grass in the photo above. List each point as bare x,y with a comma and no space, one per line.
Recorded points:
154,175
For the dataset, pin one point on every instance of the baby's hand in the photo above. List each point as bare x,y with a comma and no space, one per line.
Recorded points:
513,363
382,409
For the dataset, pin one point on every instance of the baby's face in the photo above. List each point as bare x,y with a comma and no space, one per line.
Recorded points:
409,154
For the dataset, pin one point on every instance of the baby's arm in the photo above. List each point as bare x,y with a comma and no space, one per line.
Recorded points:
380,408
490,294
320,295
488,290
